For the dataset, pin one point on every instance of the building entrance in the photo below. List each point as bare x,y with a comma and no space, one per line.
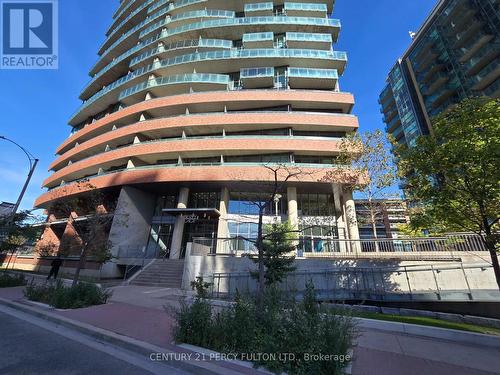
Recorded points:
201,228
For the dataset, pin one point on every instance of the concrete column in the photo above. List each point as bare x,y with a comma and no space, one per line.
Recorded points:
339,217
293,213
131,226
175,251
223,228
351,220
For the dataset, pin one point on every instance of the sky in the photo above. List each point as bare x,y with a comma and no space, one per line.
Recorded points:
35,105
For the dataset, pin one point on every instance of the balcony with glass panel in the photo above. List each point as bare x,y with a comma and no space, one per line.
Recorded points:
474,45
393,124
444,92
308,40
398,133
175,84
486,55
308,78
252,78
177,48
471,29
188,17
258,40
305,10
487,75
279,24
437,80
259,9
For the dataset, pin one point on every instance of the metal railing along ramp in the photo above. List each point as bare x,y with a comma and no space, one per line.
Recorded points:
448,282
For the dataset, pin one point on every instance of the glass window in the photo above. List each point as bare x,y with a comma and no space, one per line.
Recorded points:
163,202
249,204
318,238
315,205
209,199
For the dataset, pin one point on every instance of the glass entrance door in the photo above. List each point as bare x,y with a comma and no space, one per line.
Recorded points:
160,241
203,228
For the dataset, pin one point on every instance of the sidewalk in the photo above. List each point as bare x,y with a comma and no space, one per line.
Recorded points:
150,325
382,348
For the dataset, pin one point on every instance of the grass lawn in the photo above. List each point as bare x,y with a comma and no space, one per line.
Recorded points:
423,321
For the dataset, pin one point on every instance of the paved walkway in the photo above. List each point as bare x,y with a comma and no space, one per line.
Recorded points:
138,312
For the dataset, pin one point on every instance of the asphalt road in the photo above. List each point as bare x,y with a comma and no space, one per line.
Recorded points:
29,349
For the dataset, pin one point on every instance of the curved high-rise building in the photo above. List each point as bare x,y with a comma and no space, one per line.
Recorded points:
187,104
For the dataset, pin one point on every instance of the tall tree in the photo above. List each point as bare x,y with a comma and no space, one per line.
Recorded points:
454,172
373,160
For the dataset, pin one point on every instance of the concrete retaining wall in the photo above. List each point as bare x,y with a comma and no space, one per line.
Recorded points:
396,277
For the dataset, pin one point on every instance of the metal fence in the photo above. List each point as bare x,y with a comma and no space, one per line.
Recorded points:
456,242
428,282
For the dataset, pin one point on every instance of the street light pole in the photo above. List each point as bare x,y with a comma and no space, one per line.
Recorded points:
33,163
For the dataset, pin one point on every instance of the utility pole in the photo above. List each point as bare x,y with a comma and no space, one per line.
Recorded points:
33,163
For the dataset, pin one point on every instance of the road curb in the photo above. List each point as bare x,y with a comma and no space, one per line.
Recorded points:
470,338
124,342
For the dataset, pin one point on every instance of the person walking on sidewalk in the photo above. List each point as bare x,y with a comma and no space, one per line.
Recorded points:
55,265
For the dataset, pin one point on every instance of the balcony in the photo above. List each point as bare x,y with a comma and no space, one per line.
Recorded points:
429,73
487,75
258,40
428,58
167,85
390,112
474,45
259,9
309,40
305,10
471,29
444,93
482,58
398,133
437,80
307,78
253,78
393,124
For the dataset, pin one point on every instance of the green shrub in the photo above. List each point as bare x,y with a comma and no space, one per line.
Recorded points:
64,297
276,326
9,281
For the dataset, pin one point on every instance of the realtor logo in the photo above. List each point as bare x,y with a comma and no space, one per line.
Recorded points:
29,34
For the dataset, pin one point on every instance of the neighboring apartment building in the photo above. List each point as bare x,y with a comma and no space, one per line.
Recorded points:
454,55
187,104
389,215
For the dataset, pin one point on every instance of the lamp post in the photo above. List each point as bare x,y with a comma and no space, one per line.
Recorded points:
33,163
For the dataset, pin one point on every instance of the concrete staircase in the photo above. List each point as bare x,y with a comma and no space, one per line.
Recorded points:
162,272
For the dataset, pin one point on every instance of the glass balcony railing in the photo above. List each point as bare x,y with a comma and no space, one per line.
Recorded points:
267,20
256,72
258,37
207,43
221,79
120,13
258,7
203,13
313,73
130,16
155,6
309,37
220,55
135,29
309,7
